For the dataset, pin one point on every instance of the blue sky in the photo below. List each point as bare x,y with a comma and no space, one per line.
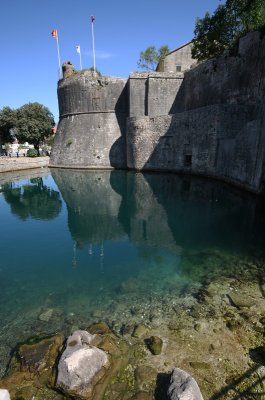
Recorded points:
29,63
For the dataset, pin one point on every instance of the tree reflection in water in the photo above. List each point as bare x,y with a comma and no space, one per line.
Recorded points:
32,200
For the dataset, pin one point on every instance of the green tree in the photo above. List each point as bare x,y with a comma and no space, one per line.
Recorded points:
8,119
34,124
217,32
150,57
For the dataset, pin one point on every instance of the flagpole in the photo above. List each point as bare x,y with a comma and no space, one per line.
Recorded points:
78,50
59,58
80,59
55,35
93,42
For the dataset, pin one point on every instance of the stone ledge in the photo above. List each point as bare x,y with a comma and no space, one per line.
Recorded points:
8,164
89,167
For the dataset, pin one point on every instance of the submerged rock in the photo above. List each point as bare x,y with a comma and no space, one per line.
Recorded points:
154,344
34,357
46,315
145,377
99,328
142,396
130,285
241,300
31,368
140,330
183,386
81,366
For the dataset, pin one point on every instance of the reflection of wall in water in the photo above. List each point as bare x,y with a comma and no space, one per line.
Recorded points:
92,205
162,210
105,205
208,213
143,218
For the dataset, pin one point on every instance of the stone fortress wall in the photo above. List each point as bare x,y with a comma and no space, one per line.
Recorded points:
91,132
208,121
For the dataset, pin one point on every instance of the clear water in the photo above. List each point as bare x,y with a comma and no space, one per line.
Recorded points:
103,245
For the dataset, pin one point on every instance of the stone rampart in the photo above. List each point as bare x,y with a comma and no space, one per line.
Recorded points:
91,132
153,94
227,145
236,78
208,121
218,124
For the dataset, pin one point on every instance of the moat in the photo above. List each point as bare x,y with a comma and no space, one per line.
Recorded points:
182,256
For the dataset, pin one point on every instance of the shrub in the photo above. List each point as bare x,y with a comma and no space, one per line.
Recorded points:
32,153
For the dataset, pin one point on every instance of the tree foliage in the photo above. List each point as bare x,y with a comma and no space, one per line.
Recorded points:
8,119
217,32
150,57
34,123
30,123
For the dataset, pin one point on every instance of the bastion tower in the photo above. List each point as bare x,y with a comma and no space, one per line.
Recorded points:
92,127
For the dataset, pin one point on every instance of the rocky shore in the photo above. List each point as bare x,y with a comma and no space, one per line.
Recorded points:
213,331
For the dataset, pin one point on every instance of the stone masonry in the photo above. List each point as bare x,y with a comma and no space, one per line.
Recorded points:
91,131
208,121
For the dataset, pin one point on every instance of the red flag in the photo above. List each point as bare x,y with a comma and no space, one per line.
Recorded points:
54,33
92,18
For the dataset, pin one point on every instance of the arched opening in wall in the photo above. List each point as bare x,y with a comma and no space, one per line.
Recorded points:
188,160
187,156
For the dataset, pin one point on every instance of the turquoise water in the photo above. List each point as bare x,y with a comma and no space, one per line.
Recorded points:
86,245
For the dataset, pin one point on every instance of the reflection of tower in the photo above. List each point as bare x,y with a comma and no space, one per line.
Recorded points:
90,249
102,258
74,262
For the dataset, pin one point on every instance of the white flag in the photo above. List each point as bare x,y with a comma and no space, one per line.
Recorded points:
78,50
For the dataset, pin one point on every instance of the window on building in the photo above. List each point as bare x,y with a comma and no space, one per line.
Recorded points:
178,68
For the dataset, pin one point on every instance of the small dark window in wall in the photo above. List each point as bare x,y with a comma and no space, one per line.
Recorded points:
188,160
178,68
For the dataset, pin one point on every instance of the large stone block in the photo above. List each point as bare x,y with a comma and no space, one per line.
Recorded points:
183,386
81,366
4,394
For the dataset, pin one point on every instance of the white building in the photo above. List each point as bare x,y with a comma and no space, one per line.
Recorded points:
17,149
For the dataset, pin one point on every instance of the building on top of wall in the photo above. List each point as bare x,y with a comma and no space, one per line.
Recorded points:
178,60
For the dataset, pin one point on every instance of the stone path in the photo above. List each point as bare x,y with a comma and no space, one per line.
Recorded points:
15,164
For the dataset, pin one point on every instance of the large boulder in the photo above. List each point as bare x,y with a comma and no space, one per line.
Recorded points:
31,368
4,394
183,386
81,366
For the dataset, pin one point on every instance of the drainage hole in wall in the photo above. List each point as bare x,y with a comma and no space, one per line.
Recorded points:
188,160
